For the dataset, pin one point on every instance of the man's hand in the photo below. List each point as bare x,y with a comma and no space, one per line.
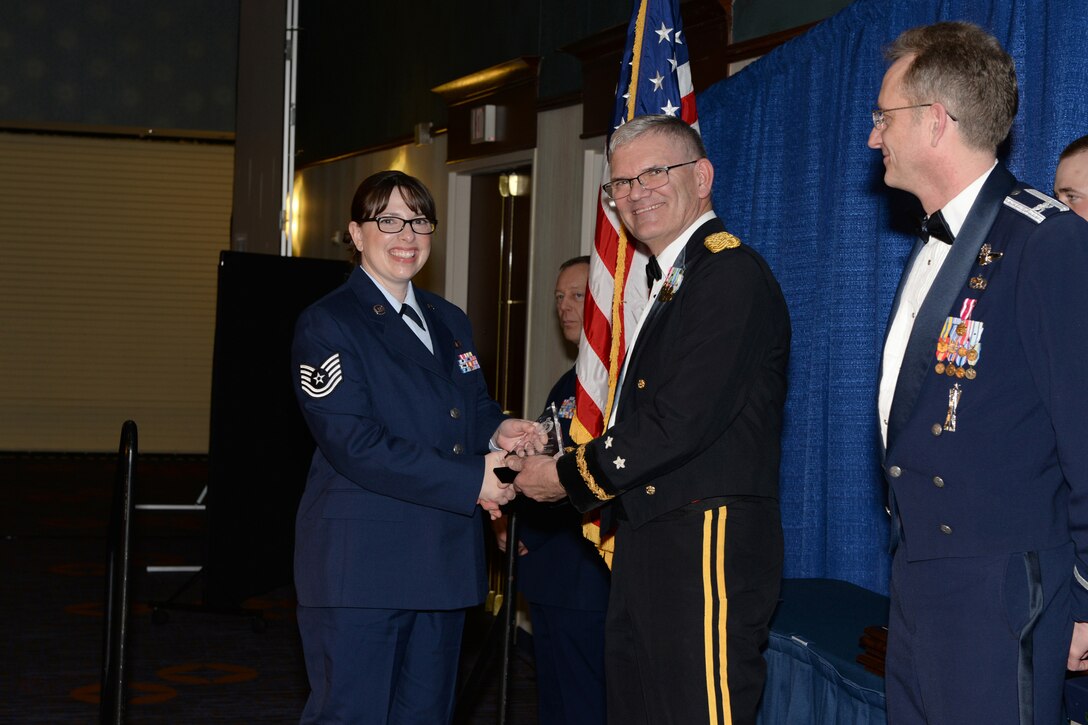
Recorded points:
521,437
1078,648
537,478
493,492
499,526
491,508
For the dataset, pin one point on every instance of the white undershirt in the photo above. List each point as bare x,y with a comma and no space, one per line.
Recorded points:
410,300
920,278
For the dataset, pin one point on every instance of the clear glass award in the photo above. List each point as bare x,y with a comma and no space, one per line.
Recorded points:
548,423
553,431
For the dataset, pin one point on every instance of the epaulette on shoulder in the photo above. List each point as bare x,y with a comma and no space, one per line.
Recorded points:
720,240
1034,204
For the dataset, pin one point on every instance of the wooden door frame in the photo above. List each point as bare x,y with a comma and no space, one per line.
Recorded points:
458,205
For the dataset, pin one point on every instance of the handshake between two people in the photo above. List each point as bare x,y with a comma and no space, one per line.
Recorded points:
523,444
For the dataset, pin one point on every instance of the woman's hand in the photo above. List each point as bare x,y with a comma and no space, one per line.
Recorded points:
520,437
493,492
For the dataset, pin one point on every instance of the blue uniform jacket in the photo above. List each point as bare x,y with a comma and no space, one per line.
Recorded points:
995,460
389,517
562,568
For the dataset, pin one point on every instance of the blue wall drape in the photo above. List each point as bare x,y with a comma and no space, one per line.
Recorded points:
794,179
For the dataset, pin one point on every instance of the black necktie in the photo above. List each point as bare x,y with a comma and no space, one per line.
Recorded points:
935,226
653,271
406,310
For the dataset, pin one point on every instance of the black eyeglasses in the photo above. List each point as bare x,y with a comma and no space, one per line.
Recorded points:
878,113
653,178
394,224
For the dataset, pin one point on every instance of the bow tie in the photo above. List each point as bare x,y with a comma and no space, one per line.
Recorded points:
935,226
408,311
653,271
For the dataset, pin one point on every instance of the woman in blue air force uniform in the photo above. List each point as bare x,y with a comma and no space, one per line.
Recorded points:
389,543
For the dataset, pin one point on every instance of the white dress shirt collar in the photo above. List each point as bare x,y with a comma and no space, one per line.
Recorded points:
411,301
670,253
955,212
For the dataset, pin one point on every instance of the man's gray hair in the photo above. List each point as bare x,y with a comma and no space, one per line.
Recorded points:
672,127
965,68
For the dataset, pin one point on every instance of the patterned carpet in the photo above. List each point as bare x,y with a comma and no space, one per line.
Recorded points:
196,667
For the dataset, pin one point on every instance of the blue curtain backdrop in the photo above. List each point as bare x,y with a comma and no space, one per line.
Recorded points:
794,179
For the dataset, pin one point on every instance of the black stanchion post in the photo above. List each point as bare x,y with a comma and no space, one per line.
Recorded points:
118,552
499,638
509,613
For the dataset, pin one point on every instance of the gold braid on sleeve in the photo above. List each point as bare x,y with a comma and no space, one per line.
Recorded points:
591,483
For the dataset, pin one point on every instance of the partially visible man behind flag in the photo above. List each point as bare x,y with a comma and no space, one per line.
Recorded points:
655,78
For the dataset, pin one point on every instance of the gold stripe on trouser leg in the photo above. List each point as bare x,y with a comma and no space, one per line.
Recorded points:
714,628
723,610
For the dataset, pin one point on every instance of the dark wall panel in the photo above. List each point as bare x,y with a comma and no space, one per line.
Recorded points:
366,69
127,63
756,18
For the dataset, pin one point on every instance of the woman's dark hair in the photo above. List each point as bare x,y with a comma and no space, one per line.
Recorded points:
373,194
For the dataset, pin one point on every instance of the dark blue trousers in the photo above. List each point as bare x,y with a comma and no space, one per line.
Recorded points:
979,639
692,596
568,645
380,666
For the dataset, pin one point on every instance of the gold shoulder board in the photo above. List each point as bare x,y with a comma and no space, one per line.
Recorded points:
719,241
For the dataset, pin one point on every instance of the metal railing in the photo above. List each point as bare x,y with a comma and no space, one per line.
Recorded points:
118,566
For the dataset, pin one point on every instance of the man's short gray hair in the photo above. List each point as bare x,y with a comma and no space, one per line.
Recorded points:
965,68
672,127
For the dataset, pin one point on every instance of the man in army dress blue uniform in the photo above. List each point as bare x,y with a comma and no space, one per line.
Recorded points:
689,470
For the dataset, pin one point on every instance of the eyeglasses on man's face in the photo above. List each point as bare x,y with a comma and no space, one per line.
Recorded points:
394,224
880,122
653,178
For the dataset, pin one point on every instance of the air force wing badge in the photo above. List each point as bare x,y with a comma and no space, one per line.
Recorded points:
319,382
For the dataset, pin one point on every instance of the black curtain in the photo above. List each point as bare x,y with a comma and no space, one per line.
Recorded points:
260,448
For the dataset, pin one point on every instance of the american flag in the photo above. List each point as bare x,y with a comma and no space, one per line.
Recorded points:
655,78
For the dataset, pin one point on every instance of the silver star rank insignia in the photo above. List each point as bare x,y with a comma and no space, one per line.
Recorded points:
317,382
